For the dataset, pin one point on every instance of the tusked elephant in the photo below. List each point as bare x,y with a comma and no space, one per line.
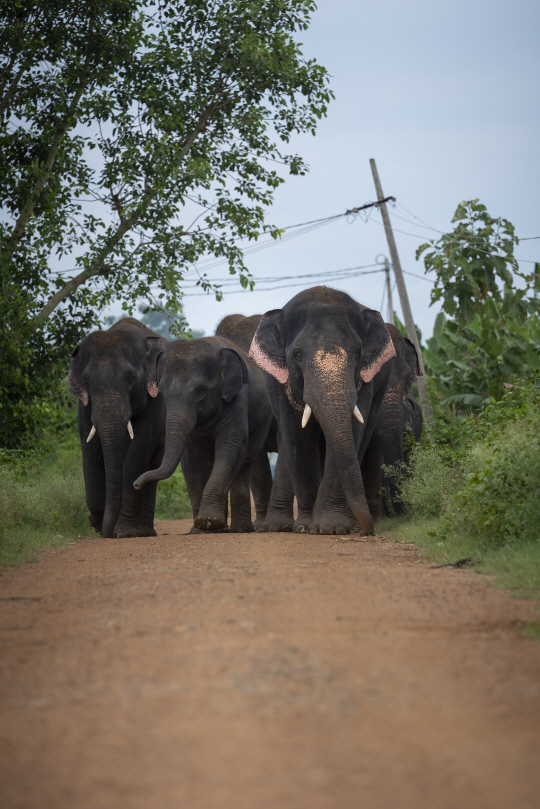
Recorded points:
218,417
121,425
326,358
387,442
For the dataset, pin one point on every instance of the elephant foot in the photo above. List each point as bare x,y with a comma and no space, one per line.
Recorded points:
123,532
194,530
303,523
332,523
242,526
260,525
213,525
278,522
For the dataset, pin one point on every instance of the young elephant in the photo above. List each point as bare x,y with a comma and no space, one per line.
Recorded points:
121,425
216,426
326,356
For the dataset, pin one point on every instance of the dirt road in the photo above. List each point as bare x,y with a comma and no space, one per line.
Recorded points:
263,671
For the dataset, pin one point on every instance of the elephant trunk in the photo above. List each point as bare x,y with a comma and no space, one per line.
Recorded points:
179,426
336,423
112,437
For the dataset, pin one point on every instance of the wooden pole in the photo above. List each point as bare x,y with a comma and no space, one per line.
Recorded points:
389,291
403,297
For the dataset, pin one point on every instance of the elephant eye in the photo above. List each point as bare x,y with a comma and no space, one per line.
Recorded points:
298,355
200,391
131,378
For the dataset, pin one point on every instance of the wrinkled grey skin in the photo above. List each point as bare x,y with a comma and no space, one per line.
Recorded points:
412,419
109,373
218,417
386,445
325,350
240,330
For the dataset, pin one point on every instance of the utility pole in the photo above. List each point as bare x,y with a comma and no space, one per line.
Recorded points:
389,291
403,297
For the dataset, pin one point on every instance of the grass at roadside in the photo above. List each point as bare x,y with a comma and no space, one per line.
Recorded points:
515,567
39,508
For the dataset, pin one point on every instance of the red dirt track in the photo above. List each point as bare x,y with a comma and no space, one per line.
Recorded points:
256,671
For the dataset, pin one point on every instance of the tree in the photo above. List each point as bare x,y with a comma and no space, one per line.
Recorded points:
493,335
137,136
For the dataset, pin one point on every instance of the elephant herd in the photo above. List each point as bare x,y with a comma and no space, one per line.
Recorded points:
324,382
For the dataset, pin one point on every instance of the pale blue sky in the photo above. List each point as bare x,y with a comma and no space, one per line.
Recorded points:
446,98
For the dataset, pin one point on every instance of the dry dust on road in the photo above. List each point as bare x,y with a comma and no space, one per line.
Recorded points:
262,671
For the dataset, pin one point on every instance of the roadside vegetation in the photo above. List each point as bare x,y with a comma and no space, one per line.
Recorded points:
471,490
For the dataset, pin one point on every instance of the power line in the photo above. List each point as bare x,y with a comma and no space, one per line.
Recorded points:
332,277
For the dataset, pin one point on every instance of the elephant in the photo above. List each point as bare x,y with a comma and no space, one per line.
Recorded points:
387,442
240,330
325,355
412,418
121,425
216,425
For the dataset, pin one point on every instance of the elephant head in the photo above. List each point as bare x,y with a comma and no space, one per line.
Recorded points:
110,372
323,347
197,379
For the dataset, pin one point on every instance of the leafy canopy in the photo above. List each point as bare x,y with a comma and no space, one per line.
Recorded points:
137,136
492,335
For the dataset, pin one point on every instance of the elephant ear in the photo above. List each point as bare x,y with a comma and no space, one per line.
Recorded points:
234,373
268,349
411,358
77,385
377,345
155,346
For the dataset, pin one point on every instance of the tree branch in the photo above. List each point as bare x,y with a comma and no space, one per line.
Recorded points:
97,266
28,209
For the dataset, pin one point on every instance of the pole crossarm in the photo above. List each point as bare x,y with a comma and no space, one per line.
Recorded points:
370,205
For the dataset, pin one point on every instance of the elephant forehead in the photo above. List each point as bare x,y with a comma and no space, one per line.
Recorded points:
331,363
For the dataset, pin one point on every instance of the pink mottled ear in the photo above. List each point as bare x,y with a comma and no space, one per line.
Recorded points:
267,348
377,345
152,388
76,383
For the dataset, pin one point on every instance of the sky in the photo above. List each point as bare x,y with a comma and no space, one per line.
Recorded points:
446,98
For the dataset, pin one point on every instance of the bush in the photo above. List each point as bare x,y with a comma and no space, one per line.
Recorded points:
472,489
499,498
430,490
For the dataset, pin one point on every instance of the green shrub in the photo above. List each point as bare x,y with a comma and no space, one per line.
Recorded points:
499,498
431,488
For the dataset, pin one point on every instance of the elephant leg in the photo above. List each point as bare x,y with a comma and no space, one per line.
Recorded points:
197,462
261,487
230,456
136,518
372,475
299,449
241,502
280,514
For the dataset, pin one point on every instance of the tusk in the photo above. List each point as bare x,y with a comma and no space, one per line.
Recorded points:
130,430
357,414
307,414
91,434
